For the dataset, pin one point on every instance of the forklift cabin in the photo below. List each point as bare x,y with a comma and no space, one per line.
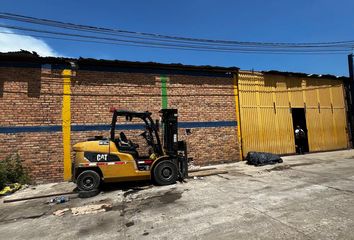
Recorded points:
117,159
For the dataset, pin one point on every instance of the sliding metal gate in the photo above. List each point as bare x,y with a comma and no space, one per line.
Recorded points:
266,121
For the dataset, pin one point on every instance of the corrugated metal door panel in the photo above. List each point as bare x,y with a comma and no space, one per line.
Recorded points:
324,93
295,91
249,98
264,128
328,131
269,136
265,89
314,129
337,94
341,131
259,132
311,93
248,89
285,138
250,129
339,114
282,96
336,133
261,123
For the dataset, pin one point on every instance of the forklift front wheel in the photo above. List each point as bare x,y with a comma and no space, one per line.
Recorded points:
165,173
88,180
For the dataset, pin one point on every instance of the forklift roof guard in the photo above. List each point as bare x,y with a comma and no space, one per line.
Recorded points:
146,117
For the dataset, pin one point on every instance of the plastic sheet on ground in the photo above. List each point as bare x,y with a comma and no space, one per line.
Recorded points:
262,158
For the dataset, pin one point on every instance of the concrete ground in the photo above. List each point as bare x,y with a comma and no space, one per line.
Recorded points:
306,197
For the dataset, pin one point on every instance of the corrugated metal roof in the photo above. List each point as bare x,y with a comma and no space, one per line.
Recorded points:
296,74
34,57
299,74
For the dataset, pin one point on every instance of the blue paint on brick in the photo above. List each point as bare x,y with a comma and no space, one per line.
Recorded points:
85,128
30,129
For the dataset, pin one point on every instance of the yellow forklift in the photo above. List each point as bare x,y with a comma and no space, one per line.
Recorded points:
116,159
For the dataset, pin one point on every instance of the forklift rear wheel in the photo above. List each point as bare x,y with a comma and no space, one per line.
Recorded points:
165,173
88,180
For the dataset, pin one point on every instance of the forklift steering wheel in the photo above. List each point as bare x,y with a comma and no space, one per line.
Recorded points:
146,136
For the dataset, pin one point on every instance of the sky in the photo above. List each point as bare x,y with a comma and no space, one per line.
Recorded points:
241,20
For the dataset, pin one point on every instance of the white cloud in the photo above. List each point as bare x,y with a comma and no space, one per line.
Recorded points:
10,42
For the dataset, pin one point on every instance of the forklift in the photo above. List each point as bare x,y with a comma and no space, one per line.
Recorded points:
116,159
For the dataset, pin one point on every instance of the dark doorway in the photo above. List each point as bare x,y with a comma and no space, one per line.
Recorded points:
299,119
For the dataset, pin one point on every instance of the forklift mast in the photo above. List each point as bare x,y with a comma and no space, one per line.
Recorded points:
172,147
169,131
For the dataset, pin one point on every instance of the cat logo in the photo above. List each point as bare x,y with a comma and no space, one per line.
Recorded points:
101,157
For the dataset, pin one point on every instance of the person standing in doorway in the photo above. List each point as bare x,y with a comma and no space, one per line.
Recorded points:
300,137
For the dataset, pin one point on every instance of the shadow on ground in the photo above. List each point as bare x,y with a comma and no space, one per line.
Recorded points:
126,187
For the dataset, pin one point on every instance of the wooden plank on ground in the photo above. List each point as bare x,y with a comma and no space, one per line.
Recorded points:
36,197
207,173
201,169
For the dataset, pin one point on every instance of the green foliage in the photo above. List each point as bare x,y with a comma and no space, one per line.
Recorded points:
12,171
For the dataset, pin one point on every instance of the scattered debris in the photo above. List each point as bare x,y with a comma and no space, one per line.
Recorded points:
279,168
60,199
192,167
61,212
223,177
198,178
88,209
129,224
287,166
11,188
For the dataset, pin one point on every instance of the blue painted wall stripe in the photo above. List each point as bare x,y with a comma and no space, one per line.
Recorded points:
106,127
30,129
207,124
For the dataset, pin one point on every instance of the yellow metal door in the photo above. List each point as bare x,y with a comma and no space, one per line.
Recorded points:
265,112
325,114
266,123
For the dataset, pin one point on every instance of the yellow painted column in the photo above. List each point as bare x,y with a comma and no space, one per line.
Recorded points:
66,122
237,111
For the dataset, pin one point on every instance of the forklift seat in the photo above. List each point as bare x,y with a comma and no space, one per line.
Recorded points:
123,137
126,146
123,140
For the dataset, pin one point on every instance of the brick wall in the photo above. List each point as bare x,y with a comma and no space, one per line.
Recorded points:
32,97
206,99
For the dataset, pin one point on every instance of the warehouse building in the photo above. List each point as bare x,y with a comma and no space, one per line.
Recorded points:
48,104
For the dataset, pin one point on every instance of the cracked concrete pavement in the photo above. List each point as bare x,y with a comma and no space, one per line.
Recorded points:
306,197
